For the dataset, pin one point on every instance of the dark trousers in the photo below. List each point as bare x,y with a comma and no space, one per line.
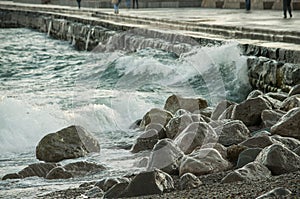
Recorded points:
287,6
78,3
248,4
135,2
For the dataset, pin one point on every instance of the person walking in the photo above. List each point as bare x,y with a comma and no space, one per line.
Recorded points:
248,5
116,5
287,7
78,3
135,2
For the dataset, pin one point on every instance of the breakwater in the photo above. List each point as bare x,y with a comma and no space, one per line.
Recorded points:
270,68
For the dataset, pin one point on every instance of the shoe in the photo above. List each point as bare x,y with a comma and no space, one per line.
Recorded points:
291,15
284,17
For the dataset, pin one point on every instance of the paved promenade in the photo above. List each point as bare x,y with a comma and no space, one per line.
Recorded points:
264,27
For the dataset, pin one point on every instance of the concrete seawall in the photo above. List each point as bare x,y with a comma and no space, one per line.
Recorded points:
90,29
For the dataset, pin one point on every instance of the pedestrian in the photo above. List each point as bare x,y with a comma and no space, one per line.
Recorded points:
128,3
248,5
135,2
78,3
116,5
287,6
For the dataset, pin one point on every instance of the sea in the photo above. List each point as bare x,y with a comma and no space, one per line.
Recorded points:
47,85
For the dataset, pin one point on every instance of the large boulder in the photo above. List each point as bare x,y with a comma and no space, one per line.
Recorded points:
295,90
249,111
149,183
288,125
232,132
175,102
107,183
254,94
196,134
177,124
260,141
165,156
157,116
203,161
36,169
227,114
59,173
279,192
279,159
271,117
252,171
161,130
291,102
247,156
70,142
220,108
116,190
145,141
288,142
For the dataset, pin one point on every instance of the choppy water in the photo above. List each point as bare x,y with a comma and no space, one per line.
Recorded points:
46,85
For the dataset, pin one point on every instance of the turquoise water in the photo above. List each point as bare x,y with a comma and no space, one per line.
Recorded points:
46,85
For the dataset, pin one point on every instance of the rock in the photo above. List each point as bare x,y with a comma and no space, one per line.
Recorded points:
156,115
11,176
94,192
261,133
70,142
145,141
252,171
207,112
279,159
165,156
177,124
271,117
203,161
136,124
234,151
148,183
59,173
297,151
249,111
36,169
277,96
196,134
227,114
74,169
107,183
261,141
220,108
279,192
189,181
275,103
232,132
181,112
288,125
247,156
295,90
161,130
175,102
254,94
219,147
116,190
143,162
290,143
291,102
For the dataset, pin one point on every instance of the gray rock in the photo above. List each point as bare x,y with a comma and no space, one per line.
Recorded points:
116,190
279,192
196,134
278,96
83,168
220,108
143,162
291,102
290,143
279,159
233,152
59,173
161,130
189,181
227,114
165,156
145,141
175,102
271,117
297,151
94,192
275,103
203,161
288,125
252,171
295,90
232,132
207,112
249,111
107,183
219,147
148,183
254,94
247,156
261,141
181,112
177,124
156,115
261,133
70,142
